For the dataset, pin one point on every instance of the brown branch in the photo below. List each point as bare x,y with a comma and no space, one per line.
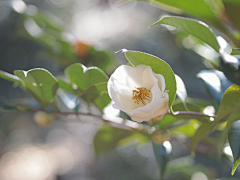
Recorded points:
119,122
77,113
112,121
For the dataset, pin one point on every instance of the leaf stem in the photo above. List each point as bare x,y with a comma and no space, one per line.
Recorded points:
9,77
192,113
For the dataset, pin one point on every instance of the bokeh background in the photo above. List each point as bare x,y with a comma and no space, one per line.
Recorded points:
53,34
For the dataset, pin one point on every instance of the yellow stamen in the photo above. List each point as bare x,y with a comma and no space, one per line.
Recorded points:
142,96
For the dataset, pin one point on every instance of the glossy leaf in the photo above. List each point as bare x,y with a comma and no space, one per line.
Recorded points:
230,101
230,65
158,66
162,154
181,91
234,141
205,10
216,83
84,77
194,27
41,84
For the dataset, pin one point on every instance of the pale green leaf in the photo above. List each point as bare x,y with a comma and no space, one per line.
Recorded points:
85,77
98,94
194,27
41,84
230,101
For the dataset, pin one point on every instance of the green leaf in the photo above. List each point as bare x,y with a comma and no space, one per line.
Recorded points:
216,83
181,91
230,101
102,100
200,134
234,141
230,120
41,84
66,86
194,27
232,11
107,138
158,66
188,129
162,154
199,8
97,93
84,77
230,65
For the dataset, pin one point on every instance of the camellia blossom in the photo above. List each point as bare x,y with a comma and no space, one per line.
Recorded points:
139,92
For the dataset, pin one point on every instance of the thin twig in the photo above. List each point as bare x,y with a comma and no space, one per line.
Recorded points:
120,122
77,113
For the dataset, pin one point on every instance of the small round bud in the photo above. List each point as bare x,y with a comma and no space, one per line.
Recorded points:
43,118
159,137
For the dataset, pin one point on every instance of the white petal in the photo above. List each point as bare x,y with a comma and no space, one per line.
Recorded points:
121,95
150,111
161,82
148,78
134,76
157,93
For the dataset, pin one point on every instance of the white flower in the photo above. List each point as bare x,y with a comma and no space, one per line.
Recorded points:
139,92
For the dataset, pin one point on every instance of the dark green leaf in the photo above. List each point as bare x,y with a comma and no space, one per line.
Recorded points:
234,141
232,10
41,84
216,83
200,134
84,77
107,138
230,65
229,103
162,154
158,66
194,27
230,120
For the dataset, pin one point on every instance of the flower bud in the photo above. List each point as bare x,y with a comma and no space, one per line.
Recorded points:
43,118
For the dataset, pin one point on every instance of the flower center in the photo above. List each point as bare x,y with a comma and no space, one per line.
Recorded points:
142,96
